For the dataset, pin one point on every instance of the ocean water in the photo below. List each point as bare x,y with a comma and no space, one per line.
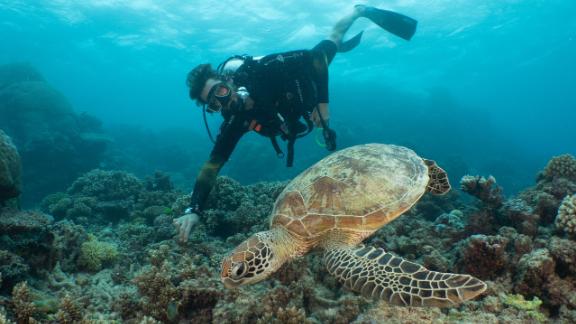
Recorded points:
484,86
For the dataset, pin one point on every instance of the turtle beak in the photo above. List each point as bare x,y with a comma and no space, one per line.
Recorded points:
231,284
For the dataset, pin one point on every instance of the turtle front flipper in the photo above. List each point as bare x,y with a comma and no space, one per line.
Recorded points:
439,183
377,274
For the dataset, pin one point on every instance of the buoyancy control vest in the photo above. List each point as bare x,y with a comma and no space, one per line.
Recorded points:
282,85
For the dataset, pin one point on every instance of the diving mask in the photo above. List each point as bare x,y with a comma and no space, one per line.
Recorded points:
219,97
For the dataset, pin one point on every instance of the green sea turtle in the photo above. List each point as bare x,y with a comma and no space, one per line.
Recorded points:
337,203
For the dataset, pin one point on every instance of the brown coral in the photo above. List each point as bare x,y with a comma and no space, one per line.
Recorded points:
534,271
484,256
69,311
521,216
563,166
281,315
564,253
482,188
159,292
22,304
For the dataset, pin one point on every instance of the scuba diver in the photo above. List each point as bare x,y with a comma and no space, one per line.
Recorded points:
279,95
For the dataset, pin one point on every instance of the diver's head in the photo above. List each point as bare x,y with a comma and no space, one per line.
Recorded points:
208,88
197,79
218,95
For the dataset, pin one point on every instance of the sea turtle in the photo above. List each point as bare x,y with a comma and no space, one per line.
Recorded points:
337,203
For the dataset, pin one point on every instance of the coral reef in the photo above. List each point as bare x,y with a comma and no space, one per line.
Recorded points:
534,271
563,252
482,188
233,209
94,254
563,166
69,311
44,127
112,256
101,196
22,304
484,256
10,170
566,218
68,240
27,234
520,215
12,269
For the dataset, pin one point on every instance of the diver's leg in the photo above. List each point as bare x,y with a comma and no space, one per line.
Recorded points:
342,26
322,56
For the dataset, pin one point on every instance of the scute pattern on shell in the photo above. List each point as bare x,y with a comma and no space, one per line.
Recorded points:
358,189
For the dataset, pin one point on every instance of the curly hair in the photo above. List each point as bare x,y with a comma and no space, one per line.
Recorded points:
197,78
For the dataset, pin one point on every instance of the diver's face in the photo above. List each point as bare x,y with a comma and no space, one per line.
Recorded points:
217,95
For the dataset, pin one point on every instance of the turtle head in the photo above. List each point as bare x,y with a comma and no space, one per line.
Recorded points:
253,260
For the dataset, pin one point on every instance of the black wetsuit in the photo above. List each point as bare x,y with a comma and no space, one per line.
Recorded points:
288,84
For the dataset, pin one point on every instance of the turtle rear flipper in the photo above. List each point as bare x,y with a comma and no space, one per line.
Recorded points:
380,275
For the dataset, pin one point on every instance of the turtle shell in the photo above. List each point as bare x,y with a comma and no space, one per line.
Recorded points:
355,190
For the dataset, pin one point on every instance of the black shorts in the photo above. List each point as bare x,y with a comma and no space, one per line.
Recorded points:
328,48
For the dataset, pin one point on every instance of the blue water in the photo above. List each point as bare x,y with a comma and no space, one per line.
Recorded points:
485,86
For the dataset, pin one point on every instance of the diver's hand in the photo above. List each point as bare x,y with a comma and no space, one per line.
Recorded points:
184,225
329,139
320,115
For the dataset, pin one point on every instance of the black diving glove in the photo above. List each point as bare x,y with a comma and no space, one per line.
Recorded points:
329,139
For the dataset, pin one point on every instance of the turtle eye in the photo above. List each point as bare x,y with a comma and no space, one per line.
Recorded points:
239,270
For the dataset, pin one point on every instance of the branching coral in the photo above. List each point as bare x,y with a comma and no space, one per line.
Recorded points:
566,218
482,188
22,303
69,311
159,293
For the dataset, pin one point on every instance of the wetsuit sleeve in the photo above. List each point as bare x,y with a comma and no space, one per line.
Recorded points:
322,56
230,134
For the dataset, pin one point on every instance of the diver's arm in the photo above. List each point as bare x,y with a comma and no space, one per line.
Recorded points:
321,111
205,181
225,143
230,133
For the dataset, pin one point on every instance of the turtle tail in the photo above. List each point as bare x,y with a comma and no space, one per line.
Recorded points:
380,275
438,183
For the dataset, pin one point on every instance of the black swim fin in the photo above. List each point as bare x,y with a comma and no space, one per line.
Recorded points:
395,23
351,43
